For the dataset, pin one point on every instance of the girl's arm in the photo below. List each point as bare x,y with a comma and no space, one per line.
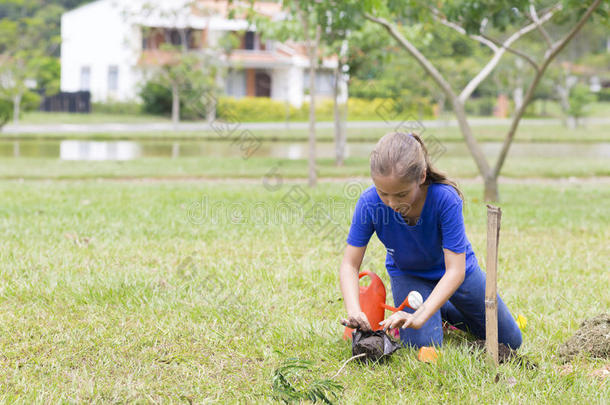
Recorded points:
455,271
348,279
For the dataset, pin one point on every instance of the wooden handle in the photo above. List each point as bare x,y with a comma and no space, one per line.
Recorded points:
494,214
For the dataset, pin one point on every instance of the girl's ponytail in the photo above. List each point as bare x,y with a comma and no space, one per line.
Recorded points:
434,175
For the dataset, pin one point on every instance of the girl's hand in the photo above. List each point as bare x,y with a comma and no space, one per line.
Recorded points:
357,320
401,319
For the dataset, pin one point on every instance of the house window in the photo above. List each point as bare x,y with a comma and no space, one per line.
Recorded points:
85,78
236,83
249,40
113,78
324,82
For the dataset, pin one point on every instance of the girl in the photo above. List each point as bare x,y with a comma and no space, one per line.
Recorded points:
416,212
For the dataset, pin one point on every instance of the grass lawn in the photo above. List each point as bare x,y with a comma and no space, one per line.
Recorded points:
190,292
255,167
486,133
39,117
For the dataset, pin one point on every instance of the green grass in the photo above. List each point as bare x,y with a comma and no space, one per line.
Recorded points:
255,167
129,292
39,117
525,133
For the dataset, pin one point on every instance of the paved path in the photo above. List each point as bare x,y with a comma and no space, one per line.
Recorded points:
264,126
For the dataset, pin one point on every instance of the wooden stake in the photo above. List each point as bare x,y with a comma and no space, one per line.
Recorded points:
494,214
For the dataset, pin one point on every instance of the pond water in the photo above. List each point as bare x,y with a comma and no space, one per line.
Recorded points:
128,150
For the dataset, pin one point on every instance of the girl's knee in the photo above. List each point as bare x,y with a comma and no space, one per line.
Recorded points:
514,340
422,337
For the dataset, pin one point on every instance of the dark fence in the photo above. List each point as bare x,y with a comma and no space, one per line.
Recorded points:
76,102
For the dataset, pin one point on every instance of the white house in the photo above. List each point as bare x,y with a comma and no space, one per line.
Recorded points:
108,45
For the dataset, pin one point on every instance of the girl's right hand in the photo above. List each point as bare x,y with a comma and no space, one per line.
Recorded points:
357,320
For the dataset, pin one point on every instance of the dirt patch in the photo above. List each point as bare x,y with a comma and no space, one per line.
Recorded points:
593,338
506,354
376,346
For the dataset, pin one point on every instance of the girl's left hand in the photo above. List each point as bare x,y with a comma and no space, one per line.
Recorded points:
404,320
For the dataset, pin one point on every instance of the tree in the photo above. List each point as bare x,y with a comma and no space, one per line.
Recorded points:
26,49
483,22
302,23
183,64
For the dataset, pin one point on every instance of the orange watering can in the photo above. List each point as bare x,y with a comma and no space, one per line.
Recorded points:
372,302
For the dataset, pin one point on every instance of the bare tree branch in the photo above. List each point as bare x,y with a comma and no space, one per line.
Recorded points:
423,61
458,106
516,52
504,46
461,30
548,58
539,26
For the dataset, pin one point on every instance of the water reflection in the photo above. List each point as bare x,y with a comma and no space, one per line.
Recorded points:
127,150
94,150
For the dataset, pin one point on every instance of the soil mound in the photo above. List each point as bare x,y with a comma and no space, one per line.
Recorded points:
593,337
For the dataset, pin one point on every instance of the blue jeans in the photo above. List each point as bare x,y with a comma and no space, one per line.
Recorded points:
465,310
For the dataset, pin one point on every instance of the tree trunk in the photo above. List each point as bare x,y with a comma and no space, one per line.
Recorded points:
518,96
341,97
337,117
563,93
312,118
210,109
491,193
312,49
175,104
490,176
17,107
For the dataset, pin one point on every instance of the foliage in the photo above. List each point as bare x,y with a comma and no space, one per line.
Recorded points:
156,98
483,106
604,94
192,78
580,97
290,383
6,112
26,51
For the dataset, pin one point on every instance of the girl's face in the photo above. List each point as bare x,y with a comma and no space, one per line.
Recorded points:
396,194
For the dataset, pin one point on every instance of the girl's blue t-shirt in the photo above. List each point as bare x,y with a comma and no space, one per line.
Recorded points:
417,249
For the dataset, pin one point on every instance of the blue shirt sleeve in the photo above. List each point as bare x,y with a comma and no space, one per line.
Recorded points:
453,232
362,227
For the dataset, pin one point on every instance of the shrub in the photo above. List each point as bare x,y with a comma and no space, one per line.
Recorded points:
30,101
6,111
257,109
481,106
604,94
580,98
156,99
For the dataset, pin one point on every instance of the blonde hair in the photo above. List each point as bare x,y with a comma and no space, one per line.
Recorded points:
405,156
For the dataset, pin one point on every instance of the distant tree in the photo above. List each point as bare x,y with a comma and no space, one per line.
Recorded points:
302,24
188,68
580,98
26,50
484,22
